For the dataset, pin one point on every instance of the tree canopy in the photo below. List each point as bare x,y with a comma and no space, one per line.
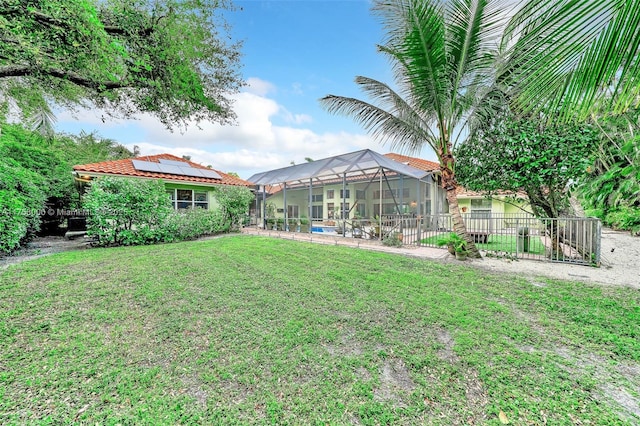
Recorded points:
172,59
523,154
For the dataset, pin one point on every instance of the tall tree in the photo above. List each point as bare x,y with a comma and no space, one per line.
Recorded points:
525,154
168,58
442,54
570,57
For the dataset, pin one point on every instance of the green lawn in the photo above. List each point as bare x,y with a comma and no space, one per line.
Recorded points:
498,243
251,330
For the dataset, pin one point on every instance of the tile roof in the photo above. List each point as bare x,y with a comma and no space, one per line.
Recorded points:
125,168
461,191
418,163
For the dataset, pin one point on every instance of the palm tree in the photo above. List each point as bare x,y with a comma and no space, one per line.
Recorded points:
443,57
572,57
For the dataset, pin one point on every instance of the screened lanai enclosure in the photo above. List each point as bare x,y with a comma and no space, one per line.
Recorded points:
358,194
367,195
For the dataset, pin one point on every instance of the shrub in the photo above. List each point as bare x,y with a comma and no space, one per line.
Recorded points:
127,211
21,200
132,212
234,202
392,240
193,223
627,218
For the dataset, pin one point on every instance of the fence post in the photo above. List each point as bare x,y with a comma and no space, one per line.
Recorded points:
598,244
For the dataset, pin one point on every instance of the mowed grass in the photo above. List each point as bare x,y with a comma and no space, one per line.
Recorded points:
252,330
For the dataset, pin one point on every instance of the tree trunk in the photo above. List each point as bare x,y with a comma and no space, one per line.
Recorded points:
449,184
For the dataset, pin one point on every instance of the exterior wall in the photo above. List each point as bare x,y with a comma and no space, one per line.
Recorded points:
498,206
488,217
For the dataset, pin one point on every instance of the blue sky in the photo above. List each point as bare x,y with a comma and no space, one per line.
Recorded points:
294,52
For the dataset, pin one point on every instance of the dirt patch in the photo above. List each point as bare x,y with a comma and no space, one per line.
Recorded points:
617,385
446,353
193,388
476,394
395,383
347,344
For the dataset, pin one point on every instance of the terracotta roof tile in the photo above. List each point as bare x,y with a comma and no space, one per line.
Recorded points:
125,168
418,163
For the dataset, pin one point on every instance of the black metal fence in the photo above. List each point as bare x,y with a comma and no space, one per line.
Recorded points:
565,239
518,236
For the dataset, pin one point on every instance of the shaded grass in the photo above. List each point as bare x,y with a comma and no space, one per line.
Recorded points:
250,330
499,243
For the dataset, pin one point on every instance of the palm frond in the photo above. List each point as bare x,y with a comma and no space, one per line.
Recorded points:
567,55
399,124
416,43
42,120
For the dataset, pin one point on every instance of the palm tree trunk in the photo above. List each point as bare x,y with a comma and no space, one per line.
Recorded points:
449,184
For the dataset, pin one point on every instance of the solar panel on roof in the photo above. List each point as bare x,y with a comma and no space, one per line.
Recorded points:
174,163
146,166
211,174
191,171
169,169
178,168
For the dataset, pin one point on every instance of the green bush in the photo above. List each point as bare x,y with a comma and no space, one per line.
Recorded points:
21,201
127,211
234,202
626,218
133,212
194,223
392,240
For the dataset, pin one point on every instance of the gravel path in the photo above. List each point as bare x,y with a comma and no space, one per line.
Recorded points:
43,246
620,255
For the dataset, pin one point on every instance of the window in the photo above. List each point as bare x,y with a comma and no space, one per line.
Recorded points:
316,212
293,212
317,198
344,207
361,210
185,198
201,201
188,199
481,208
329,194
330,210
342,194
392,193
360,194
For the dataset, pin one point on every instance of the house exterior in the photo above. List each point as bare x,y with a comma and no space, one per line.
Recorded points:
476,203
320,192
357,185
188,184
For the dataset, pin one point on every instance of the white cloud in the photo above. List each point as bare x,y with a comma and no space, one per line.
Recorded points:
295,118
259,87
255,144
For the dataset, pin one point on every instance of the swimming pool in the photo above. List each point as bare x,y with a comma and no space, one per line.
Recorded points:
322,229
